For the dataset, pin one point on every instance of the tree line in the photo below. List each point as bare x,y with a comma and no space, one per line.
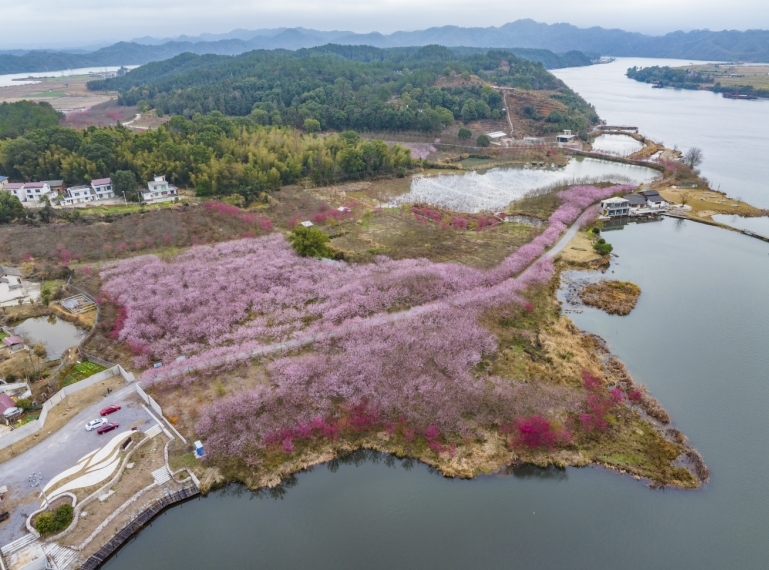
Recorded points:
214,154
19,117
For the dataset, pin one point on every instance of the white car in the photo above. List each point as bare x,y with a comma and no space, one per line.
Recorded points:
94,424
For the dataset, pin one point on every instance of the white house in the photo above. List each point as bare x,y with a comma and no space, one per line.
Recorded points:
29,191
77,195
565,137
103,188
637,204
99,189
12,287
158,190
615,207
654,201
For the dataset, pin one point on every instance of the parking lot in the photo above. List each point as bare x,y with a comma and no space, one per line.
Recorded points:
61,451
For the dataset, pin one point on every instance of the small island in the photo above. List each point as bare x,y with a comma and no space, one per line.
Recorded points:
734,81
614,297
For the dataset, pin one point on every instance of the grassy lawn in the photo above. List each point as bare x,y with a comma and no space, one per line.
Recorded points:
79,372
3,335
129,208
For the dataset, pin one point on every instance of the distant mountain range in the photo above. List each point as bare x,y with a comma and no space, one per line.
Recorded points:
751,45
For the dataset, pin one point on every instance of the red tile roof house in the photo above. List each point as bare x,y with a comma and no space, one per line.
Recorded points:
29,191
13,343
6,402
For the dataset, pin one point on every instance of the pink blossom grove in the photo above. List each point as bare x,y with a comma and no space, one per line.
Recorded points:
402,336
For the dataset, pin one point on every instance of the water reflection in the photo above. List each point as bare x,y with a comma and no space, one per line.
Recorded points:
494,189
528,471
55,334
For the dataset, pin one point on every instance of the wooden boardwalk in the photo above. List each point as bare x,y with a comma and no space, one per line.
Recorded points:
136,525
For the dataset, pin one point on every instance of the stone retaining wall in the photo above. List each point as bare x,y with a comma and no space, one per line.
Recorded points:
136,525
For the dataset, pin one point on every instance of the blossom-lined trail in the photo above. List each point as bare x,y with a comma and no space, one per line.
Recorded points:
378,320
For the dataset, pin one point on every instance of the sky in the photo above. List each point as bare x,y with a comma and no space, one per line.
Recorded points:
57,23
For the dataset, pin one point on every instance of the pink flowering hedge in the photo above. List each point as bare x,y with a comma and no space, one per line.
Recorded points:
400,336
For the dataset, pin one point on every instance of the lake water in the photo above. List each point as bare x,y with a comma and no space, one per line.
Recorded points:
698,339
493,189
57,335
758,225
731,133
620,145
8,80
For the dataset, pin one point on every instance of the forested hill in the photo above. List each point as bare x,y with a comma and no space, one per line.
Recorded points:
131,53
345,87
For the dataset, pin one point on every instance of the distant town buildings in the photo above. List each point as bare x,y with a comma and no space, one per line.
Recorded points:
158,190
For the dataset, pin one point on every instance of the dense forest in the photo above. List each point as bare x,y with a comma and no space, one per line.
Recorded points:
343,87
214,154
19,117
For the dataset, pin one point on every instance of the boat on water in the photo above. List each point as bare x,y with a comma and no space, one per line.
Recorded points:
657,85
735,95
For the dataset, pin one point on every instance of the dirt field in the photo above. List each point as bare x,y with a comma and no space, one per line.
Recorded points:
399,234
706,203
579,251
104,114
756,76
145,121
63,93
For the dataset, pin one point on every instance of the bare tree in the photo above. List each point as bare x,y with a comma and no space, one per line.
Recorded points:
684,198
693,157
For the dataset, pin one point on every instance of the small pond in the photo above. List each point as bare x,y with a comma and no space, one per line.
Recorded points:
57,335
621,145
495,188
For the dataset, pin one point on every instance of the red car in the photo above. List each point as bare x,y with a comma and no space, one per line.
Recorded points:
110,410
107,427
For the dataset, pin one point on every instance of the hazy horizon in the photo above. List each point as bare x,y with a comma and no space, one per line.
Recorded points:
81,23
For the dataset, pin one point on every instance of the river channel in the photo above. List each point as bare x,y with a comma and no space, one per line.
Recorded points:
699,339
731,133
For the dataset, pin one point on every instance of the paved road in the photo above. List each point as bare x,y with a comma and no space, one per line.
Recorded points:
61,451
565,238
